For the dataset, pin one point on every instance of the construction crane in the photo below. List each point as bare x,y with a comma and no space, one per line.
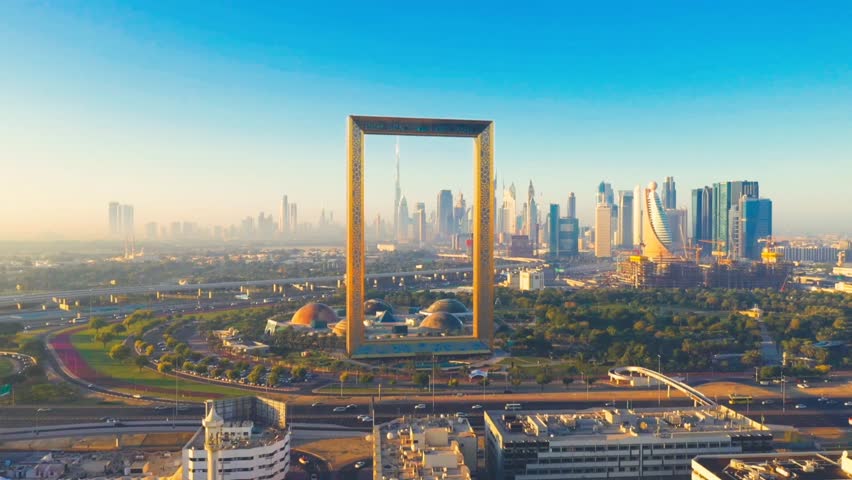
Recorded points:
769,254
718,253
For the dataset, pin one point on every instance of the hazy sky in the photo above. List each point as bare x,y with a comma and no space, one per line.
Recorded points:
193,111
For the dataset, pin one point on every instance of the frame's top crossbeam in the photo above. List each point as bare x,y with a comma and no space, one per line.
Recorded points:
426,127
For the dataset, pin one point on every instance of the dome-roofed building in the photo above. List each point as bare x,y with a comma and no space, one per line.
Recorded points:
340,328
314,314
448,305
374,306
443,322
386,316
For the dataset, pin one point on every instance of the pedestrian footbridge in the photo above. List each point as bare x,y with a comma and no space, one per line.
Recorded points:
628,374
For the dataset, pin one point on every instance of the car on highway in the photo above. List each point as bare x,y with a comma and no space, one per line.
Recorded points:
161,407
339,409
847,403
91,385
420,406
43,410
476,407
304,460
137,396
461,415
351,406
802,385
366,419
768,402
316,404
800,406
360,464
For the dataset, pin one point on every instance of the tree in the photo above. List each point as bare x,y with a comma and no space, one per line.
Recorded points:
104,337
119,352
344,377
118,329
453,383
232,374
567,381
164,367
420,379
97,323
543,379
188,366
149,350
367,378
751,358
140,361
299,371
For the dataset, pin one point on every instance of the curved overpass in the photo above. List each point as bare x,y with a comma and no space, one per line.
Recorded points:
626,374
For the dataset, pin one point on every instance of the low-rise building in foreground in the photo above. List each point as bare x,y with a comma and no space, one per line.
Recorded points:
613,443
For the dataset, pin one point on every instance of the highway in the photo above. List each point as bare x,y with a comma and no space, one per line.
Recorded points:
11,300
814,415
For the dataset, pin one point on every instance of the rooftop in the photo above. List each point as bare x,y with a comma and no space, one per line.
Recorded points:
613,424
424,448
768,466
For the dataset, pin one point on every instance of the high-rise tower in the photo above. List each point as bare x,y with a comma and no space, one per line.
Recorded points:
397,193
402,221
531,220
283,216
444,220
114,218
669,194
624,234
701,220
603,230
656,236
726,195
638,211
572,206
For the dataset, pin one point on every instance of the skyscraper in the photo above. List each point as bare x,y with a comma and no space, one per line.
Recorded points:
655,225
604,194
151,230
726,195
444,220
701,221
677,228
669,194
402,221
603,230
532,217
283,216
510,210
397,193
127,219
624,235
294,218
638,211
460,215
755,223
420,223
553,229
114,218
572,206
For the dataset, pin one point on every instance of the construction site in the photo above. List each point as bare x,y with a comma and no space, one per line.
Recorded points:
718,271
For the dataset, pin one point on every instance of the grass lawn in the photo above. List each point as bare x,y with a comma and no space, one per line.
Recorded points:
6,367
95,355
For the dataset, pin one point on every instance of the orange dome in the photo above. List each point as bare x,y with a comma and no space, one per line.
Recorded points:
313,312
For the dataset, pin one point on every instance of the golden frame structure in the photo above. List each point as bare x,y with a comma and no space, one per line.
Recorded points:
482,133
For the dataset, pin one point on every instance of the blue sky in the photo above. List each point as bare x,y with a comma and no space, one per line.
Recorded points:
195,111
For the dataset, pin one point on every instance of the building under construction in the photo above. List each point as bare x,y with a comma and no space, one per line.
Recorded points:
640,271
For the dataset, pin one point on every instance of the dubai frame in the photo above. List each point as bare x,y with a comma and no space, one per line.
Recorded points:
481,341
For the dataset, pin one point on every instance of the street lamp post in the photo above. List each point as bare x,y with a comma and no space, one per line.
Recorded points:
659,384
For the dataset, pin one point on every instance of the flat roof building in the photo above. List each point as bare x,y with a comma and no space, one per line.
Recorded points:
247,437
613,443
434,447
798,465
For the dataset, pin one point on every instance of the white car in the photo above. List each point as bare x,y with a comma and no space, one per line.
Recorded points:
800,406
420,406
767,402
339,409
360,464
847,403
803,385
366,419
476,407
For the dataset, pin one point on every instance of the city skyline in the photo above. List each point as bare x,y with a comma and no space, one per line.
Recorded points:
209,130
